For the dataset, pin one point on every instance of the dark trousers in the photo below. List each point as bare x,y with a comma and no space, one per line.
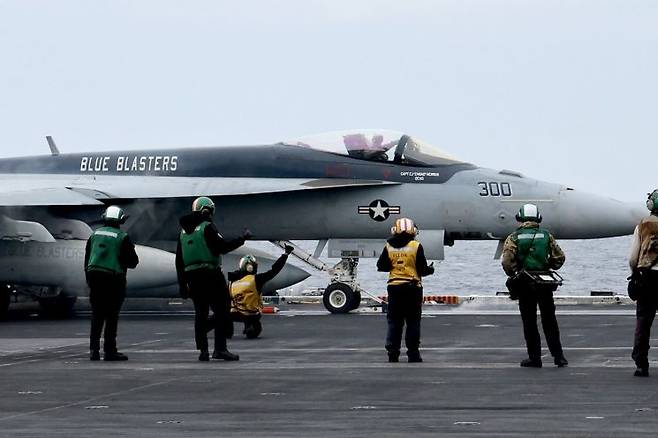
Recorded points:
528,301
404,306
106,296
208,290
645,313
252,324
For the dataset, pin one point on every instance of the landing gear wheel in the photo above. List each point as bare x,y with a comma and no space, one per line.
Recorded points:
4,301
340,298
357,301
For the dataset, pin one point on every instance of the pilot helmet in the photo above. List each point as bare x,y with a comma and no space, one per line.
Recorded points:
203,203
528,212
248,263
404,226
114,214
652,201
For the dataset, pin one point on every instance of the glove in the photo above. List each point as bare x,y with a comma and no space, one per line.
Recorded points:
431,268
289,249
246,234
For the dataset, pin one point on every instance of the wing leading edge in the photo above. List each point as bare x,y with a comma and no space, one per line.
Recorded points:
63,191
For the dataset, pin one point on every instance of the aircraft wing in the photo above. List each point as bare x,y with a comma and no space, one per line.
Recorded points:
44,196
65,190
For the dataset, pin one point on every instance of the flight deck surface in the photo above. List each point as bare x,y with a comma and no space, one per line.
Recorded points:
314,374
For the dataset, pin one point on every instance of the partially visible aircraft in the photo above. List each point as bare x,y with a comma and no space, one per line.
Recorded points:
343,189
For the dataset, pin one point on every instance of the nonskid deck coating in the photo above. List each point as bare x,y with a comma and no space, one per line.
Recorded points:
315,375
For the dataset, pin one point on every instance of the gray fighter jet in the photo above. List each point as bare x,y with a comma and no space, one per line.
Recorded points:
342,189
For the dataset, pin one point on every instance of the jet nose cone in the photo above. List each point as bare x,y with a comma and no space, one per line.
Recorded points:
588,216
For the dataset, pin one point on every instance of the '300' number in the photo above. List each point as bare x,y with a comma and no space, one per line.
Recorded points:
495,189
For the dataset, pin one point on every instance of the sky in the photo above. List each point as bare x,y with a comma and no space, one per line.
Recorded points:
563,91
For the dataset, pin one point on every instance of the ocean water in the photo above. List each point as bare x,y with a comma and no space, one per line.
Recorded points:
470,269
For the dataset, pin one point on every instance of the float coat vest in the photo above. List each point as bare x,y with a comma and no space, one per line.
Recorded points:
534,246
245,296
105,251
403,262
196,254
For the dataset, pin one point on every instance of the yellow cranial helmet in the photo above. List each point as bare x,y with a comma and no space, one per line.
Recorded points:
404,226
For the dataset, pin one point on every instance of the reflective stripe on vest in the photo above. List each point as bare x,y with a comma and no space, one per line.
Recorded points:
245,296
105,251
196,254
534,247
403,262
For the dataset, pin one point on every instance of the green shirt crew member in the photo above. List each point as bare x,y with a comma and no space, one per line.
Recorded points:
532,248
198,265
246,296
404,259
108,255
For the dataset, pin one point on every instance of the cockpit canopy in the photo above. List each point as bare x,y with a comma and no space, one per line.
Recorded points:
377,145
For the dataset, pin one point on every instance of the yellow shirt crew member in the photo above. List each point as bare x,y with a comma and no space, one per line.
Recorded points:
246,296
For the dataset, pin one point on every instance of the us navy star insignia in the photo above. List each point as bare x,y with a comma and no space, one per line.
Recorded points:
379,210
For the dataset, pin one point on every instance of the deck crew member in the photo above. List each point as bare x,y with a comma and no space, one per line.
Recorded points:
534,249
108,255
245,286
198,264
643,260
404,259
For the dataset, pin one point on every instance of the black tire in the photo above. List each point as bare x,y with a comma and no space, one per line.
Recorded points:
340,298
58,307
4,301
356,302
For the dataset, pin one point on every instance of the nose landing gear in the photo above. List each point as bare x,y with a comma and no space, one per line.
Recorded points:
343,294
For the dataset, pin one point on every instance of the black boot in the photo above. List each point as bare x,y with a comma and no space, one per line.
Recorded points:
394,357
225,355
414,356
641,372
94,355
115,357
204,356
531,363
560,361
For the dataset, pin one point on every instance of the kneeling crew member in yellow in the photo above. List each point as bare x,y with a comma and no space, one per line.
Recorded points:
246,285
404,259
534,249
108,255
200,276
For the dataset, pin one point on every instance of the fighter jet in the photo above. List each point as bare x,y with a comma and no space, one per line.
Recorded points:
342,189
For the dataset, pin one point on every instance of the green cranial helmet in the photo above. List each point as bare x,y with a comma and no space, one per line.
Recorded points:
203,203
114,214
528,212
652,201
247,261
